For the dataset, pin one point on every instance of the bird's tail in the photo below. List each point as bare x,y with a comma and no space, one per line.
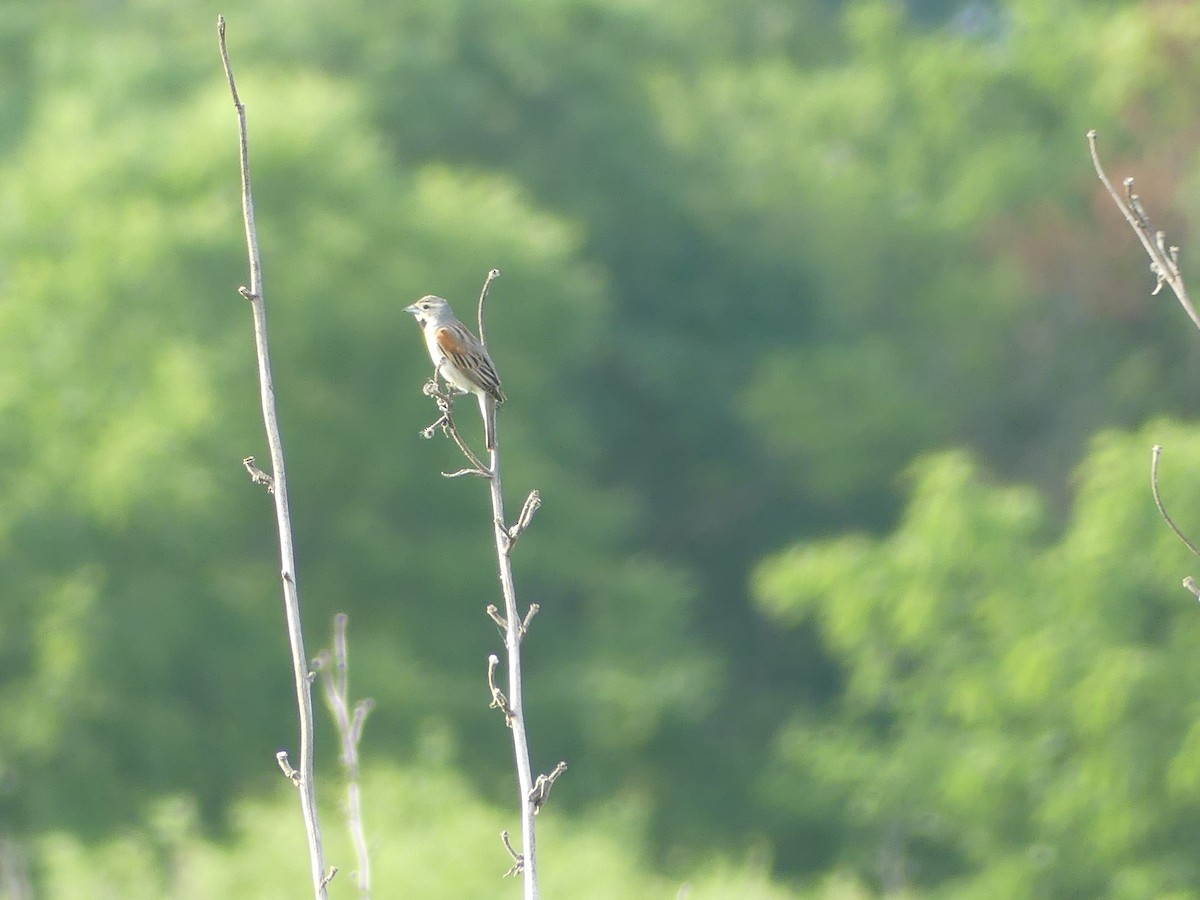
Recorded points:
487,409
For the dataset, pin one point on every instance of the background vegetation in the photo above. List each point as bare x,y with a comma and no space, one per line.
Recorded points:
834,367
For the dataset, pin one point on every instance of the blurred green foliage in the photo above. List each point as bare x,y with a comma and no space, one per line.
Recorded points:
758,258
1017,710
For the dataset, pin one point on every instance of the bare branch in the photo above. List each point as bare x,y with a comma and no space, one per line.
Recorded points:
335,679
1155,453
303,778
1164,260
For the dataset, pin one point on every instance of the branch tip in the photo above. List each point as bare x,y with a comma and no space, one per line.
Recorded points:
257,475
1155,453
532,503
541,788
492,275
518,859
529,614
285,766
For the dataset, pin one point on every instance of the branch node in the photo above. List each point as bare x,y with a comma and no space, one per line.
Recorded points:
286,766
499,701
532,503
333,870
530,613
504,536
541,788
494,612
257,475
518,860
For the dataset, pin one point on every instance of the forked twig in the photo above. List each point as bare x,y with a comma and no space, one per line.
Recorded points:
445,404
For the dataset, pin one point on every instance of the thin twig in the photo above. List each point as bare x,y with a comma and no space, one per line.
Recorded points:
335,679
303,778
487,283
445,404
1164,260
285,766
1155,453
499,701
518,860
532,503
541,788
257,475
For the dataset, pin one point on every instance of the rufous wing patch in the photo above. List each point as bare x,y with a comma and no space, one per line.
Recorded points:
449,342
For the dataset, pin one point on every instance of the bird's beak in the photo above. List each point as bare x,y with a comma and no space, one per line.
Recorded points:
411,309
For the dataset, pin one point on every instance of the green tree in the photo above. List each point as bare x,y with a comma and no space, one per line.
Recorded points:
1016,709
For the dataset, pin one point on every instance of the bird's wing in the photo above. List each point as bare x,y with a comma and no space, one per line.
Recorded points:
461,347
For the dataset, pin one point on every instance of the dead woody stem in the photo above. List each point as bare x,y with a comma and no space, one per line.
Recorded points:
277,480
512,625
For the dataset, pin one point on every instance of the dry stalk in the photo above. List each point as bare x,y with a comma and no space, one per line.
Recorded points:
302,777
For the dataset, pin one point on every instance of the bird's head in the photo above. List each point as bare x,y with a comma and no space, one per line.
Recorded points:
430,309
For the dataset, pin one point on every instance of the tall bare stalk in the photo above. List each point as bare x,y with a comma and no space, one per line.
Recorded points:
532,793
277,482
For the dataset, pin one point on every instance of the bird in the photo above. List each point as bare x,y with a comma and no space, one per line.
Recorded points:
460,358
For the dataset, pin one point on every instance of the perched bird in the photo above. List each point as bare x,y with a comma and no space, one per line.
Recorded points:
460,358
